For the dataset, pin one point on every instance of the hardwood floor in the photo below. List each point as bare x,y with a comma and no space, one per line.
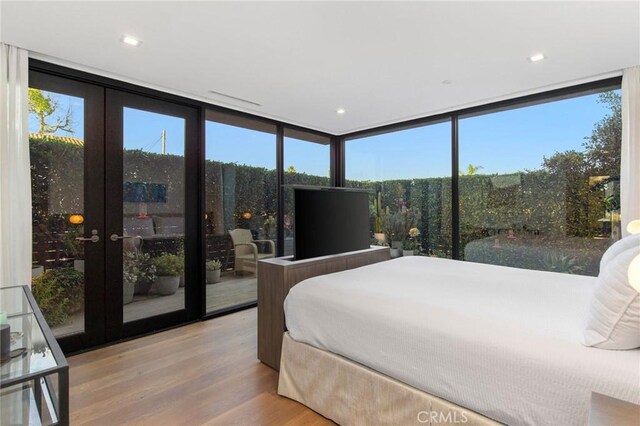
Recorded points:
204,373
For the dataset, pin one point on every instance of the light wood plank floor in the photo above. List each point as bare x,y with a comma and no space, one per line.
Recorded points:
204,373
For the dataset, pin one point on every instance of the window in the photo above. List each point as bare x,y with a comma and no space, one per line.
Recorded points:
307,161
409,175
538,185
240,194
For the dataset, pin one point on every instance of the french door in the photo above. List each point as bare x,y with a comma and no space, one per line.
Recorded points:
115,226
151,217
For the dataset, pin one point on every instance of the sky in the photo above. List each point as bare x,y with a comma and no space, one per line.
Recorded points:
504,142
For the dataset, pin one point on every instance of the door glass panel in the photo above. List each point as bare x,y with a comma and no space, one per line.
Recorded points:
153,214
56,148
241,206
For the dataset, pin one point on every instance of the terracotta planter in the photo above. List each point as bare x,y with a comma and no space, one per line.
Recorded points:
166,286
379,236
127,292
213,276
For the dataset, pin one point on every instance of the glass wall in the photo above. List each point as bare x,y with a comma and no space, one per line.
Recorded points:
539,185
240,205
307,161
56,149
409,175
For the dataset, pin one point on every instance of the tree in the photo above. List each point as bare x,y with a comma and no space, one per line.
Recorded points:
291,169
46,107
602,148
471,170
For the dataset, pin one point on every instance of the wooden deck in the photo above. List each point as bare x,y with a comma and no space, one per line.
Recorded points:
203,373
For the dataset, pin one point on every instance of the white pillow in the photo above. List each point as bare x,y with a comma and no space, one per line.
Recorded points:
613,319
618,247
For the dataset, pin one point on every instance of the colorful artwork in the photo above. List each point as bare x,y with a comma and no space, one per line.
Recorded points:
142,192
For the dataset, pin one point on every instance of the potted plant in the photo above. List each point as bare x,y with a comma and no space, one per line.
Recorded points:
268,226
137,274
75,246
169,267
379,220
138,264
410,245
129,278
397,225
213,271
180,254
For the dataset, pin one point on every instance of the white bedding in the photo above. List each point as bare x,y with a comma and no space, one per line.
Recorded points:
501,341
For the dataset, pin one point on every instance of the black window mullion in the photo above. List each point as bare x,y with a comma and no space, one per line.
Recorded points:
455,196
280,189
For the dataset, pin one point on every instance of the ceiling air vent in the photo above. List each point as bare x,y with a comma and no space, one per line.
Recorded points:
213,92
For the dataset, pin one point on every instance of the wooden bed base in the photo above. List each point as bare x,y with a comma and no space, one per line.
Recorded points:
351,394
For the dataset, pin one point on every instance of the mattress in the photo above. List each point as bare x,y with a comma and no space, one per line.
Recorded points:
501,341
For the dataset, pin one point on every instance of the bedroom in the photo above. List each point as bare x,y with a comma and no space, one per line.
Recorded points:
156,148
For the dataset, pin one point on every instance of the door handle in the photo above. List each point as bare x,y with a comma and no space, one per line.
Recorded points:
94,238
116,237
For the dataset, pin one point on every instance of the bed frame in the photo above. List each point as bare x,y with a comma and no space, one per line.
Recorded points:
351,394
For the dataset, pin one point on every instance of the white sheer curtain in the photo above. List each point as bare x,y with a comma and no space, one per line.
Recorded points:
630,156
15,175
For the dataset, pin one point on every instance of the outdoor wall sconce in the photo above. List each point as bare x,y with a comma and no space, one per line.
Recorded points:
76,219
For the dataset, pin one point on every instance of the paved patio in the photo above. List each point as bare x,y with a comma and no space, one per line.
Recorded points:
231,291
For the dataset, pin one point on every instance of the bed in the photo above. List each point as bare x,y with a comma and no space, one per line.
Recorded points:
502,343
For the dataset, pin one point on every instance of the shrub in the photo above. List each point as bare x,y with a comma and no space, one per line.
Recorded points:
136,266
555,262
59,293
168,265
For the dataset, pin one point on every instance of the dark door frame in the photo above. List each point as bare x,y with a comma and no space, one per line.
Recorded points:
115,101
93,190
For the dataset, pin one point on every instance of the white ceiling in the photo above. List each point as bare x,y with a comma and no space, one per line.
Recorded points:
383,62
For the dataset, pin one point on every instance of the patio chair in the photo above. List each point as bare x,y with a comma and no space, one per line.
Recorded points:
246,250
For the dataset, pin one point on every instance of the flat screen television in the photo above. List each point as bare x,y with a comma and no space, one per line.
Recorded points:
330,221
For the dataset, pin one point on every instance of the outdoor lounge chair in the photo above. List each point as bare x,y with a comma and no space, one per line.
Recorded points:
246,250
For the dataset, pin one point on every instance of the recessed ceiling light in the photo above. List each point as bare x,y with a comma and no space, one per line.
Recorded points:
536,58
446,82
131,41
340,111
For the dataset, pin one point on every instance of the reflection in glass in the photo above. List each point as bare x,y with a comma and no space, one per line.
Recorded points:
409,175
241,206
153,214
56,148
539,185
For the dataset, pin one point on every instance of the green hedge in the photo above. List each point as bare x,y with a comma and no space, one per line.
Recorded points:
555,205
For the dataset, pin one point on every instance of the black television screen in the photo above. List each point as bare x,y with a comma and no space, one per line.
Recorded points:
330,221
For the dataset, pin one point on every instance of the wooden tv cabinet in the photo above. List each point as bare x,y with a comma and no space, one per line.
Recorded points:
276,276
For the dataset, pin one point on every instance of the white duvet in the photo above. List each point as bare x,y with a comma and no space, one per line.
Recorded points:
501,341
